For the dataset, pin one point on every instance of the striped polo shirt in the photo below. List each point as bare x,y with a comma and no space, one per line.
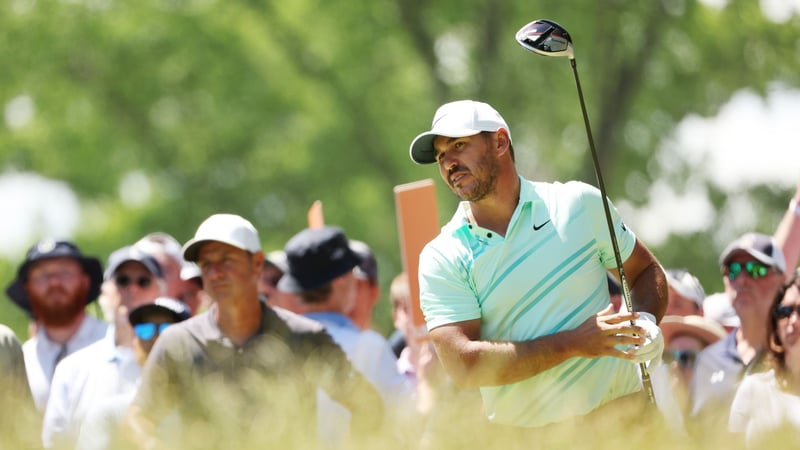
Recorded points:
548,274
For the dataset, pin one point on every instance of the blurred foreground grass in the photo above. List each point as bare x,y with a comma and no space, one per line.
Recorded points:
233,421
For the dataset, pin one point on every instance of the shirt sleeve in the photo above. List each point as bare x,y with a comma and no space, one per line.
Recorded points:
626,239
156,393
446,294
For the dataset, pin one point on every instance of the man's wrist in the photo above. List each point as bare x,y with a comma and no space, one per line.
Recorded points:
794,206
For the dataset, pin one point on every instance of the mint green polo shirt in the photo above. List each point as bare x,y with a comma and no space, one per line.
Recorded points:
548,274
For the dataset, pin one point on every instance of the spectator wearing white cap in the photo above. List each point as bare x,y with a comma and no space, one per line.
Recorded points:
718,308
106,367
686,294
753,269
241,370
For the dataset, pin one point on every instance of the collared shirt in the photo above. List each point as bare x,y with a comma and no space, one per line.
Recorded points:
257,388
41,353
370,354
718,371
548,274
92,374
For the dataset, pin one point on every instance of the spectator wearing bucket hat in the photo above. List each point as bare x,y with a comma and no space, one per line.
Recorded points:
264,363
753,270
684,338
53,286
107,367
321,263
100,428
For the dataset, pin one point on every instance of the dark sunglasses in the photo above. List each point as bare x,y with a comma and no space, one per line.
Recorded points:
148,330
785,311
124,281
684,358
754,269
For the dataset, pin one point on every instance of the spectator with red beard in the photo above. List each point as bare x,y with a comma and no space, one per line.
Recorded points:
54,285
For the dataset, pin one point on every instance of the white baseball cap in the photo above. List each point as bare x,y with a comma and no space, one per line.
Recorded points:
226,228
456,119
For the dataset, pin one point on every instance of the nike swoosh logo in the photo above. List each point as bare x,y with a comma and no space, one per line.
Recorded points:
539,227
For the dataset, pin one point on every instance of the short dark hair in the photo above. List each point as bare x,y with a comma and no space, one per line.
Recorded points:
317,295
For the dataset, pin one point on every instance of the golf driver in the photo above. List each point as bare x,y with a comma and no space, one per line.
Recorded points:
547,38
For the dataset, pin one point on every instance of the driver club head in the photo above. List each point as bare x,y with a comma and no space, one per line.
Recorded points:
547,38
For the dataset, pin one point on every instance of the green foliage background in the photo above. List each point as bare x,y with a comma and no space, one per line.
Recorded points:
261,107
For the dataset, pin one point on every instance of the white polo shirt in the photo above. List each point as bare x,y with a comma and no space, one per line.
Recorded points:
40,355
548,274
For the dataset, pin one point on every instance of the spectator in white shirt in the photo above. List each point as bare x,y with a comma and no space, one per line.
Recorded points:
54,285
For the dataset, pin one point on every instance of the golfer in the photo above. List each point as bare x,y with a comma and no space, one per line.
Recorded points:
514,289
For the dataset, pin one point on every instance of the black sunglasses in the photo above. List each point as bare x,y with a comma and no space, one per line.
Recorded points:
785,311
684,358
124,280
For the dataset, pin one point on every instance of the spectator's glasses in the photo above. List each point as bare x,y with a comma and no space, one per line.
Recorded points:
124,281
148,330
785,311
684,358
754,269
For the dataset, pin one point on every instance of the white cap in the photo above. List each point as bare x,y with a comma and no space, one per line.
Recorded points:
226,228
456,119
718,307
687,285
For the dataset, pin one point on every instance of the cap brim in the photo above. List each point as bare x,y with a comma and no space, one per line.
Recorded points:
421,150
138,314
192,247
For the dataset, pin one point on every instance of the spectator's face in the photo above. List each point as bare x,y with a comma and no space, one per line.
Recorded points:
172,274
57,290
788,327
228,272
136,285
750,296
147,332
680,353
681,306
268,281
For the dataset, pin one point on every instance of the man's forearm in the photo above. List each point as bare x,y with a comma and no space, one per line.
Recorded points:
490,363
649,292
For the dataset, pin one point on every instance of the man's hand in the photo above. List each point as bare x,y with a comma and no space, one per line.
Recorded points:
608,334
649,352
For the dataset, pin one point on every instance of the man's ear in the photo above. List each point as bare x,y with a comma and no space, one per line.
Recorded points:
503,141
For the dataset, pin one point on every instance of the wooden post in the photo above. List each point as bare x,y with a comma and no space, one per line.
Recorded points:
418,224
315,217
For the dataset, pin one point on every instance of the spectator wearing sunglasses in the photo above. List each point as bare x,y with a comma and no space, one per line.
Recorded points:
753,268
149,321
107,367
766,409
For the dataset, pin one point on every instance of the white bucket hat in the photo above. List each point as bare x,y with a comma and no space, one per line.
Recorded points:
226,228
456,119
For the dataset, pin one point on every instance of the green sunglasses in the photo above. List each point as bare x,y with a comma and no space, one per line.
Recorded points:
755,269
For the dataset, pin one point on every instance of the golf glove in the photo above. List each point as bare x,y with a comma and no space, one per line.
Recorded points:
649,352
